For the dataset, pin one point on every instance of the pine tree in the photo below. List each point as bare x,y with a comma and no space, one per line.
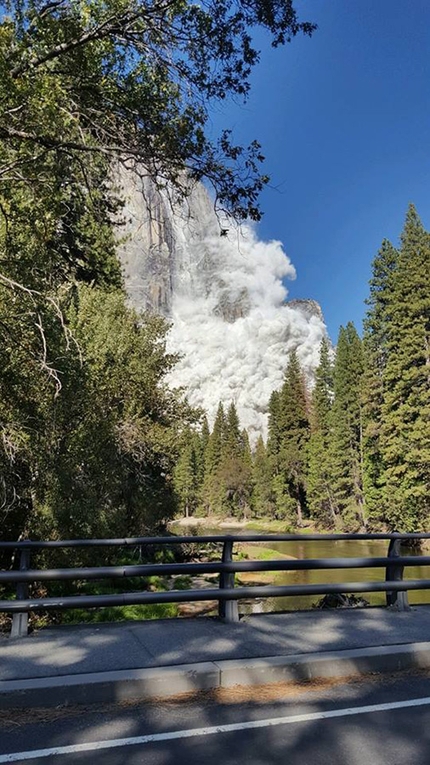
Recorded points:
274,427
245,448
186,479
406,402
233,476
294,436
377,326
263,498
212,491
347,439
204,440
232,441
320,491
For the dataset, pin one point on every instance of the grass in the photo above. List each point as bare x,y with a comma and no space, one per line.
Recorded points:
266,524
120,613
254,551
182,582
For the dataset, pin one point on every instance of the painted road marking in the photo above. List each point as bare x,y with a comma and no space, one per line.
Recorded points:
153,738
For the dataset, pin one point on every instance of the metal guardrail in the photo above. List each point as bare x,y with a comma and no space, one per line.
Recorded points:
226,594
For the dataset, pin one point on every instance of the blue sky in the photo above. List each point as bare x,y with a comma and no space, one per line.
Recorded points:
344,120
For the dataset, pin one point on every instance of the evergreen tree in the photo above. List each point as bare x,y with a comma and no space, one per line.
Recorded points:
204,437
263,498
95,459
84,87
186,478
294,436
201,440
377,325
232,442
347,440
234,475
245,448
284,505
320,491
274,427
405,437
212,491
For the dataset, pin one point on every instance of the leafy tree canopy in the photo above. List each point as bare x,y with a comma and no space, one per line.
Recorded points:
133,79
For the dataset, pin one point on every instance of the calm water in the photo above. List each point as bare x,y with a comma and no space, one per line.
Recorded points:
326,549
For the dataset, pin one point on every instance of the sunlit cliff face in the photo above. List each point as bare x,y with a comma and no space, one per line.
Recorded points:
224,296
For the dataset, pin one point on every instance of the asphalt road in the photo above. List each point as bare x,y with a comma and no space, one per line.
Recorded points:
377,721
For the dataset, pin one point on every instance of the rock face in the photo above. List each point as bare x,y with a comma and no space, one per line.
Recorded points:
224,295
308,307
169,249
148,247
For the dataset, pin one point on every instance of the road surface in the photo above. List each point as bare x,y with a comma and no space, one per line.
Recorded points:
371,721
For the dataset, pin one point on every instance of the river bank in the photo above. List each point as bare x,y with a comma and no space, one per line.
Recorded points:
263,525
256,524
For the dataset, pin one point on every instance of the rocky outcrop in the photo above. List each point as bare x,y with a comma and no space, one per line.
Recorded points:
307,306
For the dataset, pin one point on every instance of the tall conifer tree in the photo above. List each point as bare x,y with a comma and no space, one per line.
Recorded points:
294,436
186,478
406,403
233,444
347,437
234,476
322,503
212,492
274,435
263,494
377,325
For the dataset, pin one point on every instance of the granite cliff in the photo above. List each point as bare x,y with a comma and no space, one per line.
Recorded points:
223,291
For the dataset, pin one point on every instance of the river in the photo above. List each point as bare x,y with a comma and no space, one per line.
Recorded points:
324,549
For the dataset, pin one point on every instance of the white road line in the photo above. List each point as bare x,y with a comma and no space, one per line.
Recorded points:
92,746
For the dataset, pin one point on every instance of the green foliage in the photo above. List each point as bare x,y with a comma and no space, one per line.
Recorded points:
88,433
264,500
212,490
292,437
188,474
375,347
405,410
347,428
320,490
90,80
120,613
98,454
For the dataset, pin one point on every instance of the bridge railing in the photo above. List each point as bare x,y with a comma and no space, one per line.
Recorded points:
227,594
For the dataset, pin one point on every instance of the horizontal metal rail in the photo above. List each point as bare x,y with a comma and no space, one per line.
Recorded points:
182,596
220,538
170,569
227,594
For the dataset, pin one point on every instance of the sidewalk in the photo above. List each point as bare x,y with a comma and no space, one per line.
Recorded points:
132,656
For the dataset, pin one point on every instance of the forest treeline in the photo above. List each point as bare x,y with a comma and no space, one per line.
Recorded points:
94,443
352,450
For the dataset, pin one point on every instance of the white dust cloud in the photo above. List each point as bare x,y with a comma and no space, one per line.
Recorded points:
229,319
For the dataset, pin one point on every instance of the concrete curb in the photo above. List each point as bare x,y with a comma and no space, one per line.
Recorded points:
329,664
165,682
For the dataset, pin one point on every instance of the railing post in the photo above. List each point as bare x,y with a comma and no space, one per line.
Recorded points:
394,573
227,609
20,620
